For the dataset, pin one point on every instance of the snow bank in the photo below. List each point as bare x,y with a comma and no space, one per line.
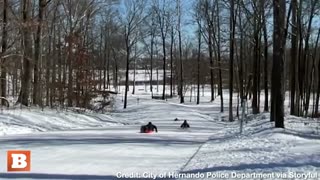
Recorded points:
261,152
21,121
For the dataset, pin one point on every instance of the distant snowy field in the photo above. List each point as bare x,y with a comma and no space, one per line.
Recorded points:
67,145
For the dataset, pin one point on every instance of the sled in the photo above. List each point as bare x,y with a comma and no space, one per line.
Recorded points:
185,129
148,132
144,130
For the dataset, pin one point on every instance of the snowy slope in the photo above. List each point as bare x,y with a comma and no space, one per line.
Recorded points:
20,121
108,150
67,145
261,151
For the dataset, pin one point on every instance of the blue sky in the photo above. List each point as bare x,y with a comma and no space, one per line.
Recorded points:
188,27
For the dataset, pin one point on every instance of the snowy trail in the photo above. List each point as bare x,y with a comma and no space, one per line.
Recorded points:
106,151
73,146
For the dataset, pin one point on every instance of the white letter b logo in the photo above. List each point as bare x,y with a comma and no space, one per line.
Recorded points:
19,161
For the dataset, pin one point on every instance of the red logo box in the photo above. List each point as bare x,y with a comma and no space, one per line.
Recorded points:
18,160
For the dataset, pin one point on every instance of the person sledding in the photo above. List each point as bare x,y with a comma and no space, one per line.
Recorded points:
149,128
185,124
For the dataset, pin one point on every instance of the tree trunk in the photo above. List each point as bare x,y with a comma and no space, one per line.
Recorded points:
255,108
70,74
219,58
256,67
180,54
115,65
53,65
266,89
171,62
127,72
100,60
211,64
116,76
231,56
294,51
316,111
37,54
60,69
241,71
313,72
48,67
301,63
108,60
198,64
27,54
105,62
307,79
279,7
164,66
3,69
157,80
134,76
151,61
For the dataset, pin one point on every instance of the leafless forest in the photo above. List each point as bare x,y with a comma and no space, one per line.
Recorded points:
65,52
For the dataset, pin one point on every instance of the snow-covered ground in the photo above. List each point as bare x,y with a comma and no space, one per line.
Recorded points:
67,145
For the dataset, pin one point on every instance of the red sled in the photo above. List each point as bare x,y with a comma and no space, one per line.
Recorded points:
144,129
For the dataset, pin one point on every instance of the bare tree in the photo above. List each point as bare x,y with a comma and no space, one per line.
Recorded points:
152,34
317,92
38,55
171,59
218,44
256,59
180,52
198,19
3,76
77,14
131,21
266,56
163,22
279,38
294,53
306,58
27,54
232,36
208,15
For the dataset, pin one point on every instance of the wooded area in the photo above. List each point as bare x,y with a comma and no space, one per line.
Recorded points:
61,52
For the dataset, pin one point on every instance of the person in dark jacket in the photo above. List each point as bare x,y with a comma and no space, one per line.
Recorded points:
148,128
185,124
143,129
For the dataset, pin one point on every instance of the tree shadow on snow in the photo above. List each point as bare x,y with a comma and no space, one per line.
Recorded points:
302,135
61,141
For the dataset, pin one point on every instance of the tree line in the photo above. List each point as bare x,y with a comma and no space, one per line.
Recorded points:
64,52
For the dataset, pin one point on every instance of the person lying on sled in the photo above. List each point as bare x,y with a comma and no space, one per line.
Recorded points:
148,128
185,124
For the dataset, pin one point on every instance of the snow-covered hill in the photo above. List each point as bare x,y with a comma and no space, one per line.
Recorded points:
21,121
66,145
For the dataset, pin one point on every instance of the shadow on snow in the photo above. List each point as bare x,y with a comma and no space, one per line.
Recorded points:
95,141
